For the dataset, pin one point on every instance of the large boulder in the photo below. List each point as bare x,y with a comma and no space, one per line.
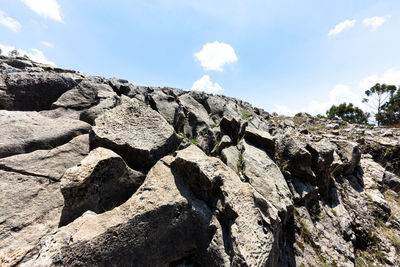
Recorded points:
322,158
106,101
350,155
265,176
230,156
99,182
23,132
294,156
234,128
168,107
30,197
83,96
120,86
132,233
261,139
197,124
33,91
236,206
392,181
191,209
136,132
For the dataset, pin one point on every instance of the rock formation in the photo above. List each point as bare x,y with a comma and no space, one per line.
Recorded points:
101,172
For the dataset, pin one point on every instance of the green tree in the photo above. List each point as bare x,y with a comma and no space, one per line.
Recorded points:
347,112
377,96
390,111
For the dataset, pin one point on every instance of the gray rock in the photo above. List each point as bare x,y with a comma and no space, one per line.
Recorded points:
232,127
332,126
225,142
23,132
236,208
167,106
304,193
349,153
197,123
83,96
392,181
260,139
174,206
120,86
230,156
265,176
33,91
30,200
322,158
50,164
99,182
296,158
61,113
156,214
136,132
106,101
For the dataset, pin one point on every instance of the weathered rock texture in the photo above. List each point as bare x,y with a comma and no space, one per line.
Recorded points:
101,172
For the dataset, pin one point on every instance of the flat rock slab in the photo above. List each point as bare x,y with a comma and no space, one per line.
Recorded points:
30,207
265,176
100,182
31,202
23,132
51,163
261,139
136,132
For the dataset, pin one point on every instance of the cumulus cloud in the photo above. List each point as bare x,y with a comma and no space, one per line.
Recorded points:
9,22
213,56
33,53
375,22
344,25
45,8
205,84
390,76
342,93
48,44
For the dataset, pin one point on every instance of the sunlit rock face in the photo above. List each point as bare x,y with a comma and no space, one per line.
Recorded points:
102,172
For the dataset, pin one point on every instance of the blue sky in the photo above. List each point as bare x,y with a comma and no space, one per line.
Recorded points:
284,56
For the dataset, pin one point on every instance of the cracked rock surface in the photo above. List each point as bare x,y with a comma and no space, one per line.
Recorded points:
103,172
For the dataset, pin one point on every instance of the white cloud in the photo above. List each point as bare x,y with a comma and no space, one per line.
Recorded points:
342,93
9,22
213,56
350,93
344,25
48,44
45,8
375,22
339,94
205,84
391,76
33,53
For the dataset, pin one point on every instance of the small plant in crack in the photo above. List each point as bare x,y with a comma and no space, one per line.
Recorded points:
246,114
109,208
239,165
193,140
379,220
315,212
43,235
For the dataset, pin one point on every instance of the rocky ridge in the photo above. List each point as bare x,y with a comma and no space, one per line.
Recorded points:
102,172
